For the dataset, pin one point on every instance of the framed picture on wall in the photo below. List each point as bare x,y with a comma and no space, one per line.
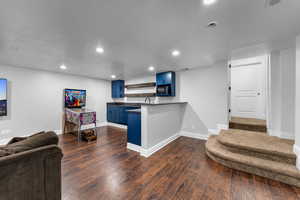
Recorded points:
3,97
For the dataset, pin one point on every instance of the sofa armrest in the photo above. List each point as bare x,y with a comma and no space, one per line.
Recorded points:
33,174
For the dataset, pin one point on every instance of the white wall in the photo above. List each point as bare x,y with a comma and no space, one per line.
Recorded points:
288,69
275,118
297,103
283,93
35,99
205,90
297,97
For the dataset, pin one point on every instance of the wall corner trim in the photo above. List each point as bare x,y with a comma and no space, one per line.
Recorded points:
296,149
194,135
217,130
213,131
134,147
148,152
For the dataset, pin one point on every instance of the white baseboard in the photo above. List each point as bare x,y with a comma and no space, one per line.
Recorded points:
297,152
148,152
58,132
213,131
272,132
222,127
281,134
218,129
100,124
194,135
286,135
134,147
116,125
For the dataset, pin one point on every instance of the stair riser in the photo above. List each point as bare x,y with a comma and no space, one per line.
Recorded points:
253,170
247,127
277,158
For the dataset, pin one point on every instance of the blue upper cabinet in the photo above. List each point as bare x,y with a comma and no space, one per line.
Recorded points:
117,88
166,84
165,78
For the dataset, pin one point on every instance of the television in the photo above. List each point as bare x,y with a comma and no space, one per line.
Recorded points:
3,97
75,98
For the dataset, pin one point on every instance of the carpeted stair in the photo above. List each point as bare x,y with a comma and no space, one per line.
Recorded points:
249,124
255,153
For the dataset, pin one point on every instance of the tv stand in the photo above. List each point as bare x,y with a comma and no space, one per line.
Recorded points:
80,117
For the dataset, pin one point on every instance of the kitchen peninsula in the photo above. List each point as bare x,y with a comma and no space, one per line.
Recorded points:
151,126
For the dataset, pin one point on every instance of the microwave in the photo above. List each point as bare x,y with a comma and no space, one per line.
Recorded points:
163,90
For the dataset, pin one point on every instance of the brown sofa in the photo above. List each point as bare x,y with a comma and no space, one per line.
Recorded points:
30,168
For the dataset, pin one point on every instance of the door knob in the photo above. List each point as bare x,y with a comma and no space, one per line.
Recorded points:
258,93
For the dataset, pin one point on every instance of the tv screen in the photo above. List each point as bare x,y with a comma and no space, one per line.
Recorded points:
3,97
75,98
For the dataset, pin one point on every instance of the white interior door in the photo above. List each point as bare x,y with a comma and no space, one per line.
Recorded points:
248,97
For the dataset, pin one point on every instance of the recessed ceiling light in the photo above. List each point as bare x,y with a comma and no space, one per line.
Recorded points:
113,76
100,50
63,67
209,2
176,53
151,68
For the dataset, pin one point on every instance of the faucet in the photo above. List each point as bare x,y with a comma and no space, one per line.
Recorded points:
148,99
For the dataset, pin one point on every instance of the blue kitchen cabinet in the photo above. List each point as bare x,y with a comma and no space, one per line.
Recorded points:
165,78
134,128
117,88
109,113
112,113
122,115
166,84
118,113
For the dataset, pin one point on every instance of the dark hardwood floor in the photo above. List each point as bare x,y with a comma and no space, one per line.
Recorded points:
105,169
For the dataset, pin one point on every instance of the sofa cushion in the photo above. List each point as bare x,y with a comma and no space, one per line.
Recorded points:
31,142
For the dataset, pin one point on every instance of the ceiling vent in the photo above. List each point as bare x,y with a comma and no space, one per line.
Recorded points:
212,24
272,2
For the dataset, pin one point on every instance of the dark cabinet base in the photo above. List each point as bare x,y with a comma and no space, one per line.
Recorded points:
134,129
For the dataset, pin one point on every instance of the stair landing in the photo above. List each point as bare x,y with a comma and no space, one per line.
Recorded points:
249,124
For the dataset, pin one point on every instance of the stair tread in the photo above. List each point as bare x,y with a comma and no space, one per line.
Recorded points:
214,147
257,142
